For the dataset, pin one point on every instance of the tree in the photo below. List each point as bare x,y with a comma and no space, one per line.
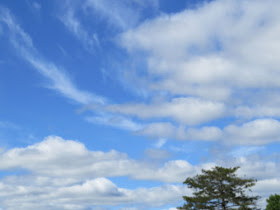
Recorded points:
273,202
219,188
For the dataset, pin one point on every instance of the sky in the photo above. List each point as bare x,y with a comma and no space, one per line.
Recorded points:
110,104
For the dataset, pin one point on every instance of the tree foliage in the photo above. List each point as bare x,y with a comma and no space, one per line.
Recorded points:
219,188
273,202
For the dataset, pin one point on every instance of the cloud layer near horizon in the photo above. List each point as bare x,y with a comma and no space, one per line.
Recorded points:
65,174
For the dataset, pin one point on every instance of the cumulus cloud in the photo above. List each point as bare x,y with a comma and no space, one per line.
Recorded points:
27,193
209,59
231,65
65,174
65,158
257,132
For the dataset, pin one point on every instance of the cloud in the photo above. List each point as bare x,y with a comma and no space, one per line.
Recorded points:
49,158
36,5
186,110
231,65
122,15
160,143
167,130
115,121
72,23
60,81
118,16
25,192
64,174
6,124
257,132
208,59
157,154
246,151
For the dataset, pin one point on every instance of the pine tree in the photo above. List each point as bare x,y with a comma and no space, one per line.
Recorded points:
219,188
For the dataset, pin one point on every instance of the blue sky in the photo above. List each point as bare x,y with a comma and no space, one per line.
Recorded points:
113,104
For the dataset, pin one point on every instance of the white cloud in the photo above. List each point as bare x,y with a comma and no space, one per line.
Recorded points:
268,186
64,158
260,110
25,193
64,174
158,130
60,81
186,110
160,143
209,59
116,13
123,14
167,130
115,121
258,166
257,132
157,154
233,62
73,24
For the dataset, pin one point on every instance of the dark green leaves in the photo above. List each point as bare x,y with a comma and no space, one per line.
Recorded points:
273,202
219,188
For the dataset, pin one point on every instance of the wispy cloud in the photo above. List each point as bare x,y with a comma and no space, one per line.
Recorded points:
116,121
59,79
36,5
89,41
6,124
121,14
118,16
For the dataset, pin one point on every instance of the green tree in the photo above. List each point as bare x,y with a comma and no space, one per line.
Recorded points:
219,188
273,202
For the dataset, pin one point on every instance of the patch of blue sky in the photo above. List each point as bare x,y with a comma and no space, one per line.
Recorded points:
195,152
181,5
13,173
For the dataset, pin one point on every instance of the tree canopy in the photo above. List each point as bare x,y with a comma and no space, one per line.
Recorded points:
220,188
273,202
